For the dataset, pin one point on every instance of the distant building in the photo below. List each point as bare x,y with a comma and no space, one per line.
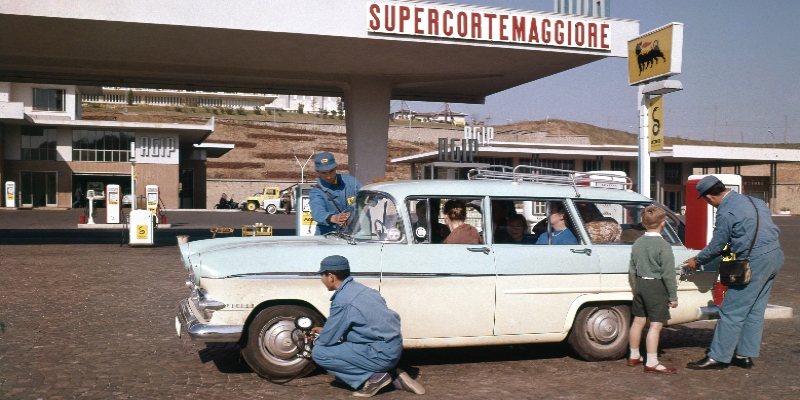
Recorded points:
49,151
168,97
446,117
590,8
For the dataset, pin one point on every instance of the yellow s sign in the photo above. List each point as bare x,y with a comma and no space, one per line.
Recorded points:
655,111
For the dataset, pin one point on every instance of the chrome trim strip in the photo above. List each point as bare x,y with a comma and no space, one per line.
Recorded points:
296,275
206,332
433,275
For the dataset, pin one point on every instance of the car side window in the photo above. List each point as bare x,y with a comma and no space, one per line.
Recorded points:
525,221
616,223
431,225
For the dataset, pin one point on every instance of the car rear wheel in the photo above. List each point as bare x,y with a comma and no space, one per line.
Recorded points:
270,350
601,332
251,206
271,209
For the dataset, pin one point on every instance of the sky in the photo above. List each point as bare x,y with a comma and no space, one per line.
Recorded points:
741,68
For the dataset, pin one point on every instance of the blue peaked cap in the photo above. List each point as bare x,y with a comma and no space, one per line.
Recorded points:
333,263
324,161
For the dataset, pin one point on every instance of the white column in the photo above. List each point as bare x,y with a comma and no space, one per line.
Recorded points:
643,181
366,102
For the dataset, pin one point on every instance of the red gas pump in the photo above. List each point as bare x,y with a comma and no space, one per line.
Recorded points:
700,219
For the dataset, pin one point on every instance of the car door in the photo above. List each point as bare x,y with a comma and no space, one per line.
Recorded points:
538,283
440,290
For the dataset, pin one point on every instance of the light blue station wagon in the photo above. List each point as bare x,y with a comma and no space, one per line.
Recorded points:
251,290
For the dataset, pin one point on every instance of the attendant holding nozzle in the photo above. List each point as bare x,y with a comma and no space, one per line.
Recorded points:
334,197
737,336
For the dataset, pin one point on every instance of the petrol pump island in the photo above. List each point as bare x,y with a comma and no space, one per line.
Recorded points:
140,223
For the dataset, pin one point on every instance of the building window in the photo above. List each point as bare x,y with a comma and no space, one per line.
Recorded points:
38,143
494,160
101,145
554,164
621,166
48,99
592,165
673,174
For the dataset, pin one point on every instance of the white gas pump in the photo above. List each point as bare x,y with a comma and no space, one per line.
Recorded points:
306,226
151,193
700,216
11,188
141,226
92,196
113,204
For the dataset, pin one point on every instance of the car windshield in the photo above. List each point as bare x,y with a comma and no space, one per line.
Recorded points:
376,218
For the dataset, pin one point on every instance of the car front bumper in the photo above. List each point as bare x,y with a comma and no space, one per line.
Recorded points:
187,322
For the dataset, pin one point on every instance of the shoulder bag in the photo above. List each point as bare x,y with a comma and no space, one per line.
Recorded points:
737,272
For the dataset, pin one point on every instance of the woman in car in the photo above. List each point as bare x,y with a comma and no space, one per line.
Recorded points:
559,232
455,215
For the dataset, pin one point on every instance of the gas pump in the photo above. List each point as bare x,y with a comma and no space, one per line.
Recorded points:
701,217
699,214
113,204
92,196
141,225
151,193
306,226
10,190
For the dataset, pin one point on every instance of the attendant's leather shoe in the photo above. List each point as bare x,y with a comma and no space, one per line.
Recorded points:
744,362
632,362
707,363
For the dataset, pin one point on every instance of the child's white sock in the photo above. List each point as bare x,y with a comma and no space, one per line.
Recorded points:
635,353
652,359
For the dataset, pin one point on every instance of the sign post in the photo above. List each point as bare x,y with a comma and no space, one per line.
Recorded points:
652,58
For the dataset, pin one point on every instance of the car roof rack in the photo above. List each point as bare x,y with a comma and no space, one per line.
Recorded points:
552,176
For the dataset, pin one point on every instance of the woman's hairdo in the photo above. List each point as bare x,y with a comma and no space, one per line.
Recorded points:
652,217
456,210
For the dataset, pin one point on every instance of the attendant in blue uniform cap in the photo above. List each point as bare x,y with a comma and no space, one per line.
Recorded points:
334,197
360,343
737,336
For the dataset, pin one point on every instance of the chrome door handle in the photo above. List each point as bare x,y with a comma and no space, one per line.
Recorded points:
588,252
484,250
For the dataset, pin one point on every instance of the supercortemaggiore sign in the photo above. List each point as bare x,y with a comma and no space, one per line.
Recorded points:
489,25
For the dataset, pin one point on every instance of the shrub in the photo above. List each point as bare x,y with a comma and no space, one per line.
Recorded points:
269,112
300,108
228,111
256,111
215,111
179,109
129,97
193,110
241,111
208,110
280,114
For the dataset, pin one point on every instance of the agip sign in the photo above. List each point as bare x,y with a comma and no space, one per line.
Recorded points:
161,148
656,54
489,25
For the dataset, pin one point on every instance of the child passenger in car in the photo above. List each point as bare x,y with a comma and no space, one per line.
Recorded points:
655,288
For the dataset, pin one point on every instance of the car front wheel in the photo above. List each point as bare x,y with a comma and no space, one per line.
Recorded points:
270,350
251,206
601,332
